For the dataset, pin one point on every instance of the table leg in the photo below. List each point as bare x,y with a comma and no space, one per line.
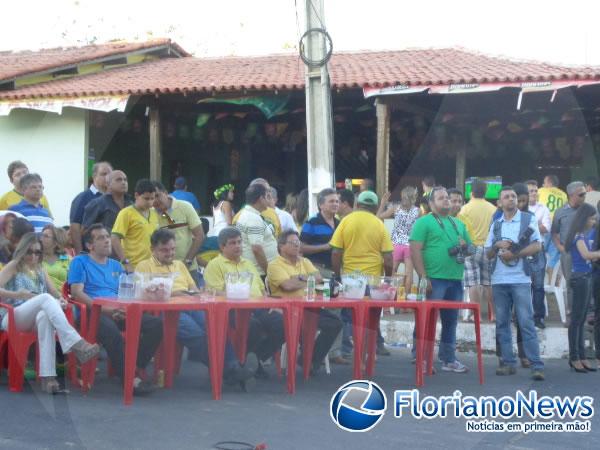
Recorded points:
217,323
310,323
420,326
242,324
169,350
358,329
430,340
373,318
133,320
478,341
292,317
88,370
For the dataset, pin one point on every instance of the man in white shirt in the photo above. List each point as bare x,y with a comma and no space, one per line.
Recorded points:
258,236
541,211
592,194
285,218
542,215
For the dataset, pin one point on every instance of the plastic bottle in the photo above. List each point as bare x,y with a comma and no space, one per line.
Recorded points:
422,292
326,290
126,286
311,288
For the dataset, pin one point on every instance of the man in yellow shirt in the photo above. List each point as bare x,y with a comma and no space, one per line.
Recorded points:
191,329
180,217
477,217
134,226
554,198
17,170
362,243
265,335
551,195
287,276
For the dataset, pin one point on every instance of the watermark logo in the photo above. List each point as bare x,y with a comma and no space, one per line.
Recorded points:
358,406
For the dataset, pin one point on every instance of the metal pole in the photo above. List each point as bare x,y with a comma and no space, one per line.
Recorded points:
319,127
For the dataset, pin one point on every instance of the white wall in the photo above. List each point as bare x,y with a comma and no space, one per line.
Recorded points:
53,145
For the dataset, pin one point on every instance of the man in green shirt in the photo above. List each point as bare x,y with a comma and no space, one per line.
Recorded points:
439,244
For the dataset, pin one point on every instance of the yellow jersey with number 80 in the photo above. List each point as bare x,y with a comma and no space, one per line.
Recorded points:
553,198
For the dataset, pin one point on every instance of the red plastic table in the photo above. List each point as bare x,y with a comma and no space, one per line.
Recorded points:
433,307
372,318
133,310
243,310
310,322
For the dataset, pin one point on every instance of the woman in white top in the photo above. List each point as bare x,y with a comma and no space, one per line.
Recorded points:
405,215
222,208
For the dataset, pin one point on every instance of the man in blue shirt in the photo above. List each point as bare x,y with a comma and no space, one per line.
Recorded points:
33,190
511,283
181,193
98,187
95,275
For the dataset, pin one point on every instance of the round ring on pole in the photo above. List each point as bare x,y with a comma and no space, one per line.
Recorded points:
328,48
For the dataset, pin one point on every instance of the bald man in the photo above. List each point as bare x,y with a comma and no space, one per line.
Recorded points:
98,187
105,209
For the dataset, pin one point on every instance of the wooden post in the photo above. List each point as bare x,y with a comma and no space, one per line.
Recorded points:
155,144
461,166
383,147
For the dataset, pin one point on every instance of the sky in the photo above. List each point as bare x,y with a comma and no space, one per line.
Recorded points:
557,32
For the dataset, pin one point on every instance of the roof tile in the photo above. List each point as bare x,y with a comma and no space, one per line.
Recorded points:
286,72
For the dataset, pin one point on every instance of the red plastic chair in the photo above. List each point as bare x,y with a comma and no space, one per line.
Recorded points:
17,344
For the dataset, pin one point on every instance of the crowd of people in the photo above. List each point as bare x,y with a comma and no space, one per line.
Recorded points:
498,253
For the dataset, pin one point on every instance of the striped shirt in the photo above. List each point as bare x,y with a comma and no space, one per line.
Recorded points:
256,231
37,215
316,231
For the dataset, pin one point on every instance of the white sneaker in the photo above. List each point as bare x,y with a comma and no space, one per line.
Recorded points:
455,366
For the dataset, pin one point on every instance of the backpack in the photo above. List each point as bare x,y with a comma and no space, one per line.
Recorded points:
530,263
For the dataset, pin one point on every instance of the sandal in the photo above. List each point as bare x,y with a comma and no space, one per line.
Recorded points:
84,351
50,385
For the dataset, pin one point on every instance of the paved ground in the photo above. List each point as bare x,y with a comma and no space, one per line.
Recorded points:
187,417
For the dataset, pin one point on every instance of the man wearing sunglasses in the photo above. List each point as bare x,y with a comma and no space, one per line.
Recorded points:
561,224
180,217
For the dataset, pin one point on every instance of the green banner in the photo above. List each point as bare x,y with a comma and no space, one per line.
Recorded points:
270,105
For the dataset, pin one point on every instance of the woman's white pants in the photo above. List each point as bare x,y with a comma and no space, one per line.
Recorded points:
44,314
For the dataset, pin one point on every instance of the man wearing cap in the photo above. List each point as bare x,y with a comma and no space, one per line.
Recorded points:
362,243
181,193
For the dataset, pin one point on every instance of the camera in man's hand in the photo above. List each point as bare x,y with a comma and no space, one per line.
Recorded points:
460,251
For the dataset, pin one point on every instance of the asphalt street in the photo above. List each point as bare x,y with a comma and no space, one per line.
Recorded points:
186,417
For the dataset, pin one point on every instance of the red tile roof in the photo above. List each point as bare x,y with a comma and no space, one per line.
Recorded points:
16,64
286,72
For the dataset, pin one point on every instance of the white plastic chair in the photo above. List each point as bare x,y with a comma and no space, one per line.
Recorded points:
560,292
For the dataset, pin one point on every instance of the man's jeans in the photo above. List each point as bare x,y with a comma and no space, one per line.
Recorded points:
191,333
446,290
505,297
537,286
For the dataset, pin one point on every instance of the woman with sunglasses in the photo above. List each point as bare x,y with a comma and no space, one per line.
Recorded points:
55,259
26,286
579,242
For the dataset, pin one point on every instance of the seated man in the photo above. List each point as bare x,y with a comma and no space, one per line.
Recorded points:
94,275
287,277
265,335
191,331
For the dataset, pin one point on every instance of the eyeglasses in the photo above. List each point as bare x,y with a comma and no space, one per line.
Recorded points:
581,195
34,253
293,243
